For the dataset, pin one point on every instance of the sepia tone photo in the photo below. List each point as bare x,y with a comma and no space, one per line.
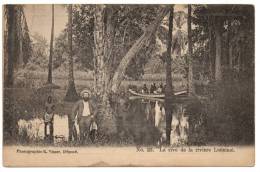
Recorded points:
128,85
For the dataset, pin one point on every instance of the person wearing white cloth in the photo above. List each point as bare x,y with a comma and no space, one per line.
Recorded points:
83,111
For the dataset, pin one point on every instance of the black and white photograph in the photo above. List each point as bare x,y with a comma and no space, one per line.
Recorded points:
128,84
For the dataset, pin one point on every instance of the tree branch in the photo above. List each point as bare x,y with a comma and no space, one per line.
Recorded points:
151,29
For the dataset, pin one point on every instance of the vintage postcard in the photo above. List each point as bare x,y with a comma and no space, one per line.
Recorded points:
128,85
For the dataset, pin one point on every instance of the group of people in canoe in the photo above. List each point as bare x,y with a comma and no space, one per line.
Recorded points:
153,89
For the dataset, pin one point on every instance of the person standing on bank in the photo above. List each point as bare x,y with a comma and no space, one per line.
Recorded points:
48,119
83,111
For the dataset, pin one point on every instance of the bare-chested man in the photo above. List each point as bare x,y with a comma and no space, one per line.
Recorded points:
48,119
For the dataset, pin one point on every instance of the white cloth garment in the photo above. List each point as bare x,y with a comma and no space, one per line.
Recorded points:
184,126
86,110
159,113
174,134
93,126
60,128
48,117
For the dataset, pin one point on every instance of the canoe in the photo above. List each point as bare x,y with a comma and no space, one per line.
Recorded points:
146,98
156,95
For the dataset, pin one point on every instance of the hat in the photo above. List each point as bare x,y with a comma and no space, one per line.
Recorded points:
84,91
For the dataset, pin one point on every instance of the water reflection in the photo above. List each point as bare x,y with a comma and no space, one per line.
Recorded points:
155,121
33,130
142,120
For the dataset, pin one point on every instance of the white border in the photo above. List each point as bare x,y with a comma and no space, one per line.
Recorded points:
129,2
194,169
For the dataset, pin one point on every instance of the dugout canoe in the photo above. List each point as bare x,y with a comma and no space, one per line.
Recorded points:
156,95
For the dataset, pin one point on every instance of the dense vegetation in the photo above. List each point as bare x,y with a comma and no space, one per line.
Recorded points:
111,43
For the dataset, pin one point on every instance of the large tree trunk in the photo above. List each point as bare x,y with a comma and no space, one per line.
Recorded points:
218,71
211,48
143,40
106,119
190,71
99,48
230,56
71,94
103,78
228,42
20,37
11,22
51,48
109,46
169,87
